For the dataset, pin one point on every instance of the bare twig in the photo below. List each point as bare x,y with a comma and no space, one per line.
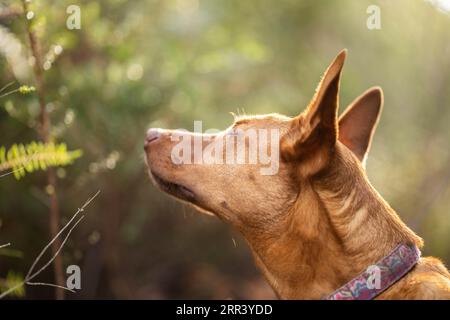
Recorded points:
10,172
30,275
5,245
32,158
9,92
49,285
7,86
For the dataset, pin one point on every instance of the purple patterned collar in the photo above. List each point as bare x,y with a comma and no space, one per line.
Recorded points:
380,276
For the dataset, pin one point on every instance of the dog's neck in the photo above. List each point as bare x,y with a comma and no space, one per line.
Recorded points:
338,226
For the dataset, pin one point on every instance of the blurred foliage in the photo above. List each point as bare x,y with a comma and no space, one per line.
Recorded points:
135,64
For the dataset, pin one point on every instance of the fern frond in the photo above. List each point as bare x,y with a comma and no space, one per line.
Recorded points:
34,156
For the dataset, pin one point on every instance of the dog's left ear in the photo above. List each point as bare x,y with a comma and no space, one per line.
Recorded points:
358,123
313,134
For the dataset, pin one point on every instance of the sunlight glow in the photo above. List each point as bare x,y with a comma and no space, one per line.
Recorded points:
443,5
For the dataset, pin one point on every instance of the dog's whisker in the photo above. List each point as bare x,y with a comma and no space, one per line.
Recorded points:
234,242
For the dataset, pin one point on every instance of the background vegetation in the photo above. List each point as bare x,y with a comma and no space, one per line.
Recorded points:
135,64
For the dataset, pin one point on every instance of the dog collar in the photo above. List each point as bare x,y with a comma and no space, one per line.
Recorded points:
379,276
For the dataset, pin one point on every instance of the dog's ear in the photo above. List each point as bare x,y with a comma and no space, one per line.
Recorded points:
313,134
358,123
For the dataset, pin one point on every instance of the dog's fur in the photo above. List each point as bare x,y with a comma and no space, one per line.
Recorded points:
317,223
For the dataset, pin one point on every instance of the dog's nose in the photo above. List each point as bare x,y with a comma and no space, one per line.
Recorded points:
152,135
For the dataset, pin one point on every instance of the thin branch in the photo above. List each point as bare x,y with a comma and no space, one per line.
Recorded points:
5,245
30,275
49,262
5,293
10,172
9,92
32,158
49,285
59,233
7,86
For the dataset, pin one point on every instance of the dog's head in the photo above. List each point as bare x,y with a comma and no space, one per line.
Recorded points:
250,174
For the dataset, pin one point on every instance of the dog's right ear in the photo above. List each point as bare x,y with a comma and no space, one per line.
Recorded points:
358,123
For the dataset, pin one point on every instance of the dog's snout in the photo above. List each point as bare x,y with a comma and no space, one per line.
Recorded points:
152,135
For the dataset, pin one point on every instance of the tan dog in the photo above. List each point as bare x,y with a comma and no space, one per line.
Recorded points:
318,222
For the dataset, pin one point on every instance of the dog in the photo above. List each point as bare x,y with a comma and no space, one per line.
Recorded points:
316,225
